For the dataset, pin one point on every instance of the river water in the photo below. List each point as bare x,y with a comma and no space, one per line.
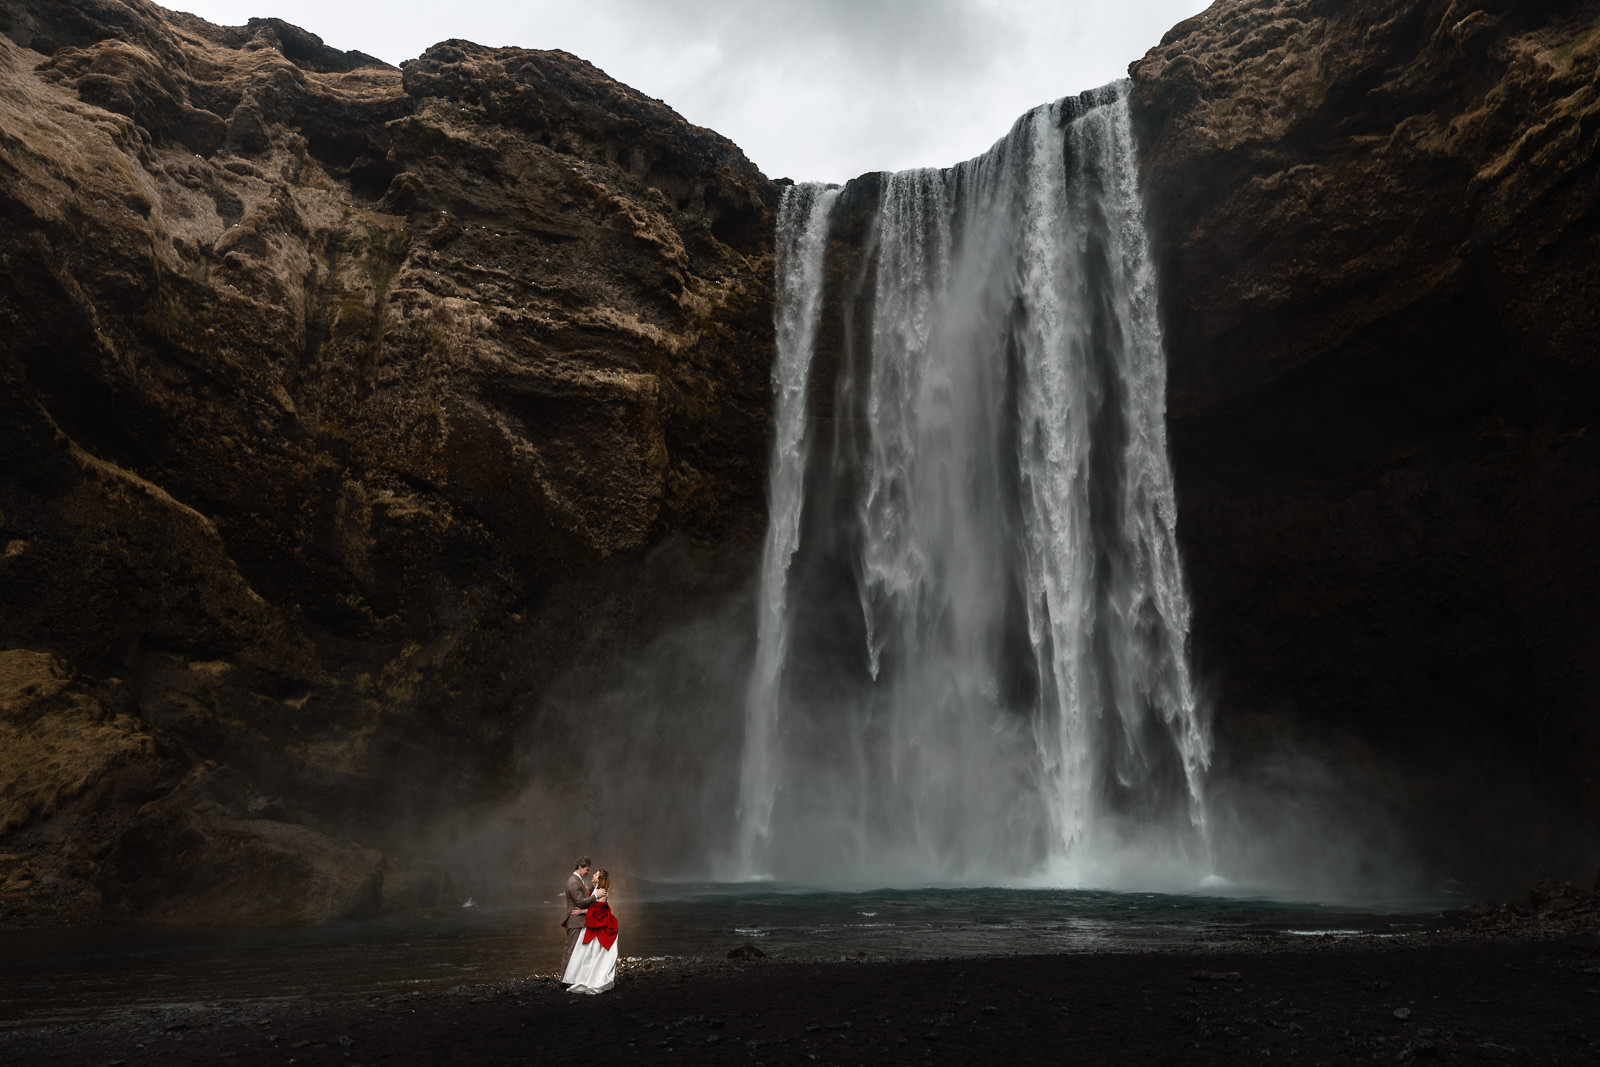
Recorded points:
53,977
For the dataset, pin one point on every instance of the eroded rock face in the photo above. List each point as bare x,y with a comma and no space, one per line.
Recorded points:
1382,284
341,408
74,775
369,434
201,856
57,743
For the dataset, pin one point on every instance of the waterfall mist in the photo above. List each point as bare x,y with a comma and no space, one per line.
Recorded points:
972,621
961,657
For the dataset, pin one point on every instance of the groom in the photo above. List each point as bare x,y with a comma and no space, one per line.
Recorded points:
578,898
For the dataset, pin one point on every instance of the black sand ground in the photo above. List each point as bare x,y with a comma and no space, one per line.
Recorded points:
1453,1000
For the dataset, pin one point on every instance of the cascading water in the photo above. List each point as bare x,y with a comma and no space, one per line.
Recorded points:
973,622
802,240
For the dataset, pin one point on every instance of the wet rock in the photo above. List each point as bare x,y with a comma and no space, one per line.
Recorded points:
746,952
1551,908
186,866
1551,898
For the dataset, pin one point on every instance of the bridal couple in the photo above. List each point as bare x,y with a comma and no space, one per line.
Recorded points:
590,964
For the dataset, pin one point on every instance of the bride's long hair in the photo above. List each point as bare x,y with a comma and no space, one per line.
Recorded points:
602,879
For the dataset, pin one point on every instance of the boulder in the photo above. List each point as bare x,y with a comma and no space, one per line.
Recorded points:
190,867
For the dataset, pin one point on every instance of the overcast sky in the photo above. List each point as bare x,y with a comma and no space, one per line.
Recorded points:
810,89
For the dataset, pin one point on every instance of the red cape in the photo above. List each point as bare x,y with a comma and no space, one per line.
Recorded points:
599,922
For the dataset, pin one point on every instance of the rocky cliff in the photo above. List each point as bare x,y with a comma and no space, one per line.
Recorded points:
1381,235
341,406
382,443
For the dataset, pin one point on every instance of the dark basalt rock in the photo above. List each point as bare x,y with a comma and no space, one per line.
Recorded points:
1382,288
359,425
341,408
190,859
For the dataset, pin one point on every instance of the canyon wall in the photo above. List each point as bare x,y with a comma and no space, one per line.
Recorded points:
375,440
1382,292
344,408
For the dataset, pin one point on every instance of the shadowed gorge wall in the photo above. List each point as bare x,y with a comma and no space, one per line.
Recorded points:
1382,286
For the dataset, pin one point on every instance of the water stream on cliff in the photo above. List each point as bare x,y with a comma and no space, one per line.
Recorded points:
972,622
802,240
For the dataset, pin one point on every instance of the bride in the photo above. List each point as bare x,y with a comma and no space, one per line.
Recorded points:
593,967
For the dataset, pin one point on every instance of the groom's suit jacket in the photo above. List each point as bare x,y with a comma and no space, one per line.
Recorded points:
579,897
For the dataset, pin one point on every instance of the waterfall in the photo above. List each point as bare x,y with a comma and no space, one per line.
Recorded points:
801,241
972,641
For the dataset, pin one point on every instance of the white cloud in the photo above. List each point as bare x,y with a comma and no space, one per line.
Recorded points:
822,89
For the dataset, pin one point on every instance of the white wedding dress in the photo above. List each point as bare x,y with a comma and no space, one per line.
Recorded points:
592,969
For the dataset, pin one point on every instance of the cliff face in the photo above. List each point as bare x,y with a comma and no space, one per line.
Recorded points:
339,405
376,440
1382,285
